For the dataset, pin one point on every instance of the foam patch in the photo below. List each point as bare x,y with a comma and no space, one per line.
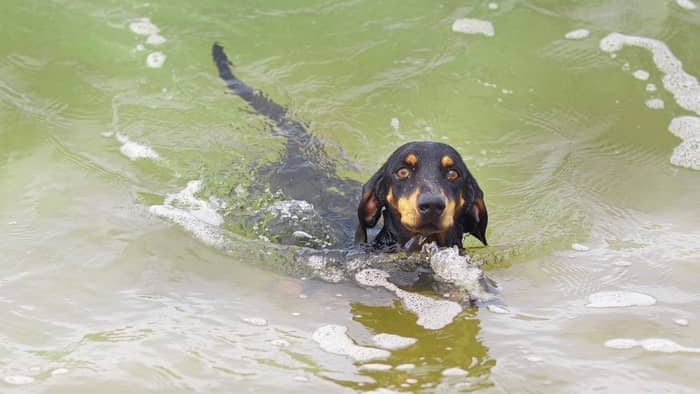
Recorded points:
432,314
134,150
687,4
392,342
660,345
577,34
473,26
143,27
618,299
155,59
655,103
684,87
334,339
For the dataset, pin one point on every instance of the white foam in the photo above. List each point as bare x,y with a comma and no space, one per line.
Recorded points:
194,215
681,322
59,371
454,372
641,75
134,150
432,314
579,247
473,26
622,263
405,367
18,380
143,27
395,123
650,87
661,345
655,103
618,299
687,4
577,34
280,342
392,342
155,59
685,127
493,6
684,87
155,39
334,339
687,154
375,367
301,378
255,321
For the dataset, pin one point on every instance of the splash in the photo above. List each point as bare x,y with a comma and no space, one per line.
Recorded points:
193,214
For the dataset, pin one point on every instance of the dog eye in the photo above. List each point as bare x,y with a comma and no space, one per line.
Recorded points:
452,175
403,173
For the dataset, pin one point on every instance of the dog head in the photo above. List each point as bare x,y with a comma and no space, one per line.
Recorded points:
424,188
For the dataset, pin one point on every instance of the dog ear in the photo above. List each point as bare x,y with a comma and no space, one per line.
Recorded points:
475,216
371,203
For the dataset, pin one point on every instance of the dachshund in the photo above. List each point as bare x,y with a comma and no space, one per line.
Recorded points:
423,189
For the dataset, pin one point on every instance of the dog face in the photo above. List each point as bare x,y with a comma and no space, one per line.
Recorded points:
424,188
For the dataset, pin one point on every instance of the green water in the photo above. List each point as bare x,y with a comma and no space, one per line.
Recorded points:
99,295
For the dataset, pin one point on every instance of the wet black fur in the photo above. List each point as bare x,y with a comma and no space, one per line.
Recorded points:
307,173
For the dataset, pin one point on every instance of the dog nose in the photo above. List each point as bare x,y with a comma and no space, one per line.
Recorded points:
431,204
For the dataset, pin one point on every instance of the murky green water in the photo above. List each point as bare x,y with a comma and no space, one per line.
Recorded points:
98,294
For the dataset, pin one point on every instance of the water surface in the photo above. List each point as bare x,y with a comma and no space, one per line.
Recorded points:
100,295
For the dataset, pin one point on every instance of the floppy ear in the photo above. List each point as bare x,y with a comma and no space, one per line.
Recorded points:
371,203
476,217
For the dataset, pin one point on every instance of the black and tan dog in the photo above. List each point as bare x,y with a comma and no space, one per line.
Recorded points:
424,189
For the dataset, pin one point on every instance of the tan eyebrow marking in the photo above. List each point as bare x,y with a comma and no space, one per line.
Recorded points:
447,161
411,159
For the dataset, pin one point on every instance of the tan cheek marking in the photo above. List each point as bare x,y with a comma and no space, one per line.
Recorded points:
411,160
448,215
407,208
447,161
